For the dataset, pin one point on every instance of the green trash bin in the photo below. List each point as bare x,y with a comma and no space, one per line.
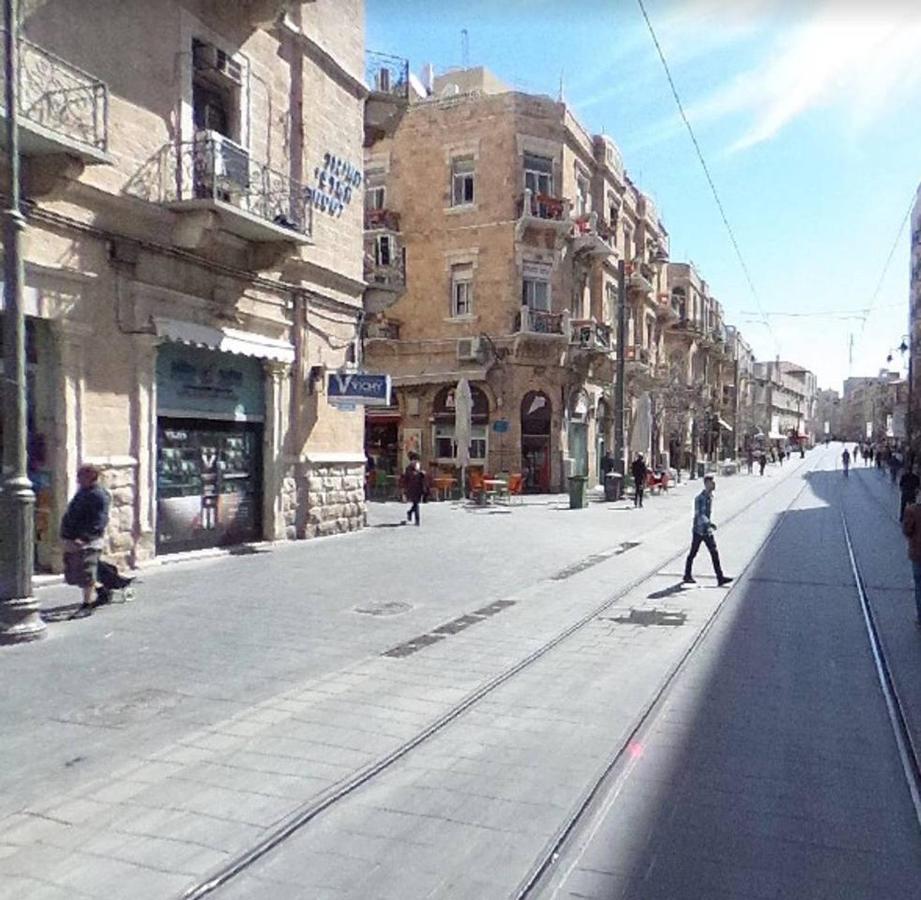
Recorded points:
578,495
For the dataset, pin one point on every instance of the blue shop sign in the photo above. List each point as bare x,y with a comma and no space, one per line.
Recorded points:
353,387
192,381
500,426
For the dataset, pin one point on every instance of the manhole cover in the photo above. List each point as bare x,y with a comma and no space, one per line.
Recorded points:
393,608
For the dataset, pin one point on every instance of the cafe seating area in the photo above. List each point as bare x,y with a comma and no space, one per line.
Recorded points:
482,489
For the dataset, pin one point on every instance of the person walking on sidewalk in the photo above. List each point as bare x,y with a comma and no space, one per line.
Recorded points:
846,461
911,528
762,462
83,529
749,459
414,486
702,533
639,471
909,484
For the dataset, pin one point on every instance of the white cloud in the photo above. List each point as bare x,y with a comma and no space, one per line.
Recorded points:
864,63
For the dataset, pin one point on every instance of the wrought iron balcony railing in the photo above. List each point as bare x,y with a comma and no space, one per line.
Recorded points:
542,206
382,218
537,321
590,335
59,97
213,168
388,75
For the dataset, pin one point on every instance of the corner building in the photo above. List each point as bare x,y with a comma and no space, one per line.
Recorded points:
193,197
494,228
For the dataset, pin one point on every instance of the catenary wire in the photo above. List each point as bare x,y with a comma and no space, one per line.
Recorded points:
709,177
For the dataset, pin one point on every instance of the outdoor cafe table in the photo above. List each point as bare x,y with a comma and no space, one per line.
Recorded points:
495,487
444,486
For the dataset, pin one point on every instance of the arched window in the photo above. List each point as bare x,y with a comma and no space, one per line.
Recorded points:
536,412
443,405
443,429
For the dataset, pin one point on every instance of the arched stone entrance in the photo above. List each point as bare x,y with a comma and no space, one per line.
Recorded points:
536,414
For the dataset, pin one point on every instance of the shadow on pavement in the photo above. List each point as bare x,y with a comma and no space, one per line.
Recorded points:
771,771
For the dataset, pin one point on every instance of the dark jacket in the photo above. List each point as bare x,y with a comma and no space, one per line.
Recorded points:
638,470
911,528
909,484
414,484
87,515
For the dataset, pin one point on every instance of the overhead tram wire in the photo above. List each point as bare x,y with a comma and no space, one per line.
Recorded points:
709,177
882,277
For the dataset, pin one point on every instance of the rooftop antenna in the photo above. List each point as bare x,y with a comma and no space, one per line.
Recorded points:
850,353
465,48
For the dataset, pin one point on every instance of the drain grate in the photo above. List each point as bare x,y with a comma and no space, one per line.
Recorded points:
651,616
452,627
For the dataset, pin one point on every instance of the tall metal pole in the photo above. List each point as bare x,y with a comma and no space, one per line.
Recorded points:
911,449
619,383
19,616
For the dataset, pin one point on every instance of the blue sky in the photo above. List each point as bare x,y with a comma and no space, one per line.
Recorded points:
809,116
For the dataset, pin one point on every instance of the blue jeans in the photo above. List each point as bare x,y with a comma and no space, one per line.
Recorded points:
916,573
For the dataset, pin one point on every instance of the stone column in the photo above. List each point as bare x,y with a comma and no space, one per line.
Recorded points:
144,446
69,343
274,444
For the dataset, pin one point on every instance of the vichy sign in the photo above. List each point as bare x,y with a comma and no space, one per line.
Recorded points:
348,388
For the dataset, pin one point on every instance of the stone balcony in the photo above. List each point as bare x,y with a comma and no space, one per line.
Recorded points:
543,211
62,109
535,321
591,237
636,358
667,309
390,277
589,335
387,80
640,277
382,220
382,329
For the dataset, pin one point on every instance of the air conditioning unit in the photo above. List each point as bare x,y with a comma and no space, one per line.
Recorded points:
468,349
210,60
222,166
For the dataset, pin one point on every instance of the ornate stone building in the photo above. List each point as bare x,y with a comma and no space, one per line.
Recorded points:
494,227
193,265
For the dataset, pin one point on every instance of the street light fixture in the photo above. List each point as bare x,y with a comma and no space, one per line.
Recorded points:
20,620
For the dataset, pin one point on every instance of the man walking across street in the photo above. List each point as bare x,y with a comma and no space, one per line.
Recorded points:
83,529
911,528
846,460
638,470
414,486
702,532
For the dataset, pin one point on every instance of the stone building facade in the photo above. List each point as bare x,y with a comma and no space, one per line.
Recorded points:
193,265
785,400
494,227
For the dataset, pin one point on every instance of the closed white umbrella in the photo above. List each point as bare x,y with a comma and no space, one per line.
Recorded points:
463,413
641,434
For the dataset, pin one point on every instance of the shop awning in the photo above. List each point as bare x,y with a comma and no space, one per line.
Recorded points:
227,340
725,424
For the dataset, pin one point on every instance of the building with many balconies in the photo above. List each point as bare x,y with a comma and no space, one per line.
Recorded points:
193,265
494,227
785,401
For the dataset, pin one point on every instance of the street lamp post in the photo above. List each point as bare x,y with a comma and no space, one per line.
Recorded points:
621,373
19,615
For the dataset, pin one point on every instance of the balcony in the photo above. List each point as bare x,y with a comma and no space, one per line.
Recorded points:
382,219
543,211
587,334
640,277
636,357
591,238
667,308
62,109
389,277
382,329
212,175
537,321
387,80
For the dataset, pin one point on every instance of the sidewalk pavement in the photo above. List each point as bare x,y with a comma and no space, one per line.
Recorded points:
175,730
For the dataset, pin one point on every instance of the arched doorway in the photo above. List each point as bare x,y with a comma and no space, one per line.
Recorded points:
577,433
536,413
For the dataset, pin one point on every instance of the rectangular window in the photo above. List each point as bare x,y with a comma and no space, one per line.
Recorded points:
538,174
583,191
535,294
383,250
461,290
376,197
446,446
462,181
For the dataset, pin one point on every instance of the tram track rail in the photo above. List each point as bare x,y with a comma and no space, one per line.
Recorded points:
318,805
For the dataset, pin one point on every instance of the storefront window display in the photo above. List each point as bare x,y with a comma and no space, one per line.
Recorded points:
209,448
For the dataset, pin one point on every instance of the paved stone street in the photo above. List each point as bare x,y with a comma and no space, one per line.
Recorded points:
150,745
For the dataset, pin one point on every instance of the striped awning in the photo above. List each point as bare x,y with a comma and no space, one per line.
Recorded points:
227,340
